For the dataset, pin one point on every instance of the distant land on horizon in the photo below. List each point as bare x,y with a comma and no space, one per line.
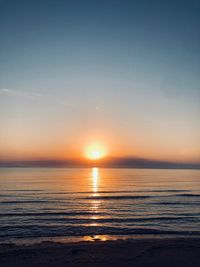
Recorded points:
107,162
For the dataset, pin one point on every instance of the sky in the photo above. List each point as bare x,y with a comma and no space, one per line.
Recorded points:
124,75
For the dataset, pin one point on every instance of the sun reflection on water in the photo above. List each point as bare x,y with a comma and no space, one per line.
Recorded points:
95,203
95,179
94,238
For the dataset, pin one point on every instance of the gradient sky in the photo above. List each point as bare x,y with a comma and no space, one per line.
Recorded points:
124,74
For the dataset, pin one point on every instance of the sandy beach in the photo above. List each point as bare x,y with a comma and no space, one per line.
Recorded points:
144,253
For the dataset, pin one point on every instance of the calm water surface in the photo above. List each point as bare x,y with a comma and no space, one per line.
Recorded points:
59,202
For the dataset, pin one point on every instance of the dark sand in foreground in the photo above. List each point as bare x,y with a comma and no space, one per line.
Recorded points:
144,253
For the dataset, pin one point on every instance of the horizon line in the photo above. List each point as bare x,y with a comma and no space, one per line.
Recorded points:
107,162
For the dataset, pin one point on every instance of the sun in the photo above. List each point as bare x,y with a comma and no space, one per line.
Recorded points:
95,152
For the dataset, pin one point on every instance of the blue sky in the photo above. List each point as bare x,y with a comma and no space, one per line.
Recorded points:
122,73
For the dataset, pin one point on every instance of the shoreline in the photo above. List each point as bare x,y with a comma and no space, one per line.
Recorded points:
92,238
165,252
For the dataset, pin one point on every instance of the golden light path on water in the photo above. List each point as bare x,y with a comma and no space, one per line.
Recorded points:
95,205
95,202
95,180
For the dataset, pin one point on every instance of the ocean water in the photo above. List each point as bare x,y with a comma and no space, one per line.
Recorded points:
94,203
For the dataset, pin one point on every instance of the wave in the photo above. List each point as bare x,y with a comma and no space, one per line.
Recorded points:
34,231
171,203
23,190
106,197
117,197
187,195
28,191
40,214
119,220
26,201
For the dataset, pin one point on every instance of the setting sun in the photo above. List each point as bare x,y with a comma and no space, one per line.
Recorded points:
95,152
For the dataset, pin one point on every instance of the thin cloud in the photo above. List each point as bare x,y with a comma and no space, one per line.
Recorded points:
17,93
35,96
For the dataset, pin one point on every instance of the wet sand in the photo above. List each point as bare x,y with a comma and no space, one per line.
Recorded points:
144,253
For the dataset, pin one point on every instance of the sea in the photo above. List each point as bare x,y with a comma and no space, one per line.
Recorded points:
42,204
